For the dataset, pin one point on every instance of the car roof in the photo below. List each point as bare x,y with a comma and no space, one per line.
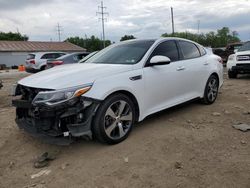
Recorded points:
161,40
42,53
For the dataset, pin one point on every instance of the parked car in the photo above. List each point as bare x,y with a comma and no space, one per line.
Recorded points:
120,85
88,56
66,59
239,63
38,61
222,53
231,48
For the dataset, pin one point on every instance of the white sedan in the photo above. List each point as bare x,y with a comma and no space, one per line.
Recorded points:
120,85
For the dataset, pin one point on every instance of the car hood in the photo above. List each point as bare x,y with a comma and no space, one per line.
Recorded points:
66,76
243,52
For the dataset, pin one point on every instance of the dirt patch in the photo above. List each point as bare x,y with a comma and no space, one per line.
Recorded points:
192,145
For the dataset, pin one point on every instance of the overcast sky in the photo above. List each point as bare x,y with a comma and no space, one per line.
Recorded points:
141,18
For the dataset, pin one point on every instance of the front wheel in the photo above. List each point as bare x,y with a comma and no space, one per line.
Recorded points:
114,119
211,90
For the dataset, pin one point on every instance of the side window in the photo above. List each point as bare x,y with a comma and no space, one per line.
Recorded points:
189,50
168,49
56,55
45,56
48,56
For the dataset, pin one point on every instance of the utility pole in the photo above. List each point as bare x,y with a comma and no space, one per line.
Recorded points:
198,27
172,17
59,31
103,18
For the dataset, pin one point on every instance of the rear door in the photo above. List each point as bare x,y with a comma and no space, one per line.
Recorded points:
195,65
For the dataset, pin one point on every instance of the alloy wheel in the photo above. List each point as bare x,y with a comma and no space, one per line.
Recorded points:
212,90
118,119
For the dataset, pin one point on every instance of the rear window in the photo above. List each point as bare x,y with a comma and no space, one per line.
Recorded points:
52,55
189,50
30,56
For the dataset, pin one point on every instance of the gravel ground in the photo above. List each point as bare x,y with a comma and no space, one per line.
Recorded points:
192,145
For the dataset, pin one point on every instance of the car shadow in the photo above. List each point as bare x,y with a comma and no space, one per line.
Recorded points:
244,77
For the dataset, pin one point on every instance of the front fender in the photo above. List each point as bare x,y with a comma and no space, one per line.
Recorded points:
104,87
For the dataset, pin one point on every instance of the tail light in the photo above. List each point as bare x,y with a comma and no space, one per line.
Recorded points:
32,61
57,62
220,60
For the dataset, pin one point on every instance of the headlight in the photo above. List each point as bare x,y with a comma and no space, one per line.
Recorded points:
59,96
231,57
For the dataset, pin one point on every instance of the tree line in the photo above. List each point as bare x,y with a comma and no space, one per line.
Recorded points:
13,36
220,38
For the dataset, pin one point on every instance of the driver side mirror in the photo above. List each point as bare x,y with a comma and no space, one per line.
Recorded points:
159,60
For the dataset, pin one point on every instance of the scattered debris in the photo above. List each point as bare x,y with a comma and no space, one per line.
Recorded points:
36,185
43,160
216,114
170,120
238,107
11,164
246,113
242,126
194,126
178,165
41,173
189,121
226,112
126,159
243,142
63,166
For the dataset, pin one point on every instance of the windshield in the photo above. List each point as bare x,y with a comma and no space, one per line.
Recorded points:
245,47
87,57
125,53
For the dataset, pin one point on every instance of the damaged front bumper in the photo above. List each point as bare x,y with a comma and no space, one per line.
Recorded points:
59,124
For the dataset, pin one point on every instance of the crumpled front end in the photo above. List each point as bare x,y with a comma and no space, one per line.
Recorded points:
58,124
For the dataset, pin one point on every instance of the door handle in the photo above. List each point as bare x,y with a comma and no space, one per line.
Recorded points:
181,68
206,63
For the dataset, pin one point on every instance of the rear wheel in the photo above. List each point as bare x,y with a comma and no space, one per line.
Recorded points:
232,74
114,119
43,68
211,90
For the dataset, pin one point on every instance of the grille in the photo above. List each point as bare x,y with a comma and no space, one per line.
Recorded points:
29,93
243,58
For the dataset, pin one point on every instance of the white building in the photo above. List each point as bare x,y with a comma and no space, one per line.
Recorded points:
15,52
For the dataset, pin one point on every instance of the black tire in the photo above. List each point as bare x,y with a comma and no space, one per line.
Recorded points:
43,68
211,92
102,119
232,74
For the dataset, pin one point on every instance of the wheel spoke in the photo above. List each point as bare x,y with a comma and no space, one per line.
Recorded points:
121,130
111,128
210,96
118,119
127,117
121,107
110,113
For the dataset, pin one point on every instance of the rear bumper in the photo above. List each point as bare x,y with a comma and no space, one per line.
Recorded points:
59,125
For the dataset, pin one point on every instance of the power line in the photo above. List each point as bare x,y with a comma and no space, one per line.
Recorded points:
59,31
103,18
